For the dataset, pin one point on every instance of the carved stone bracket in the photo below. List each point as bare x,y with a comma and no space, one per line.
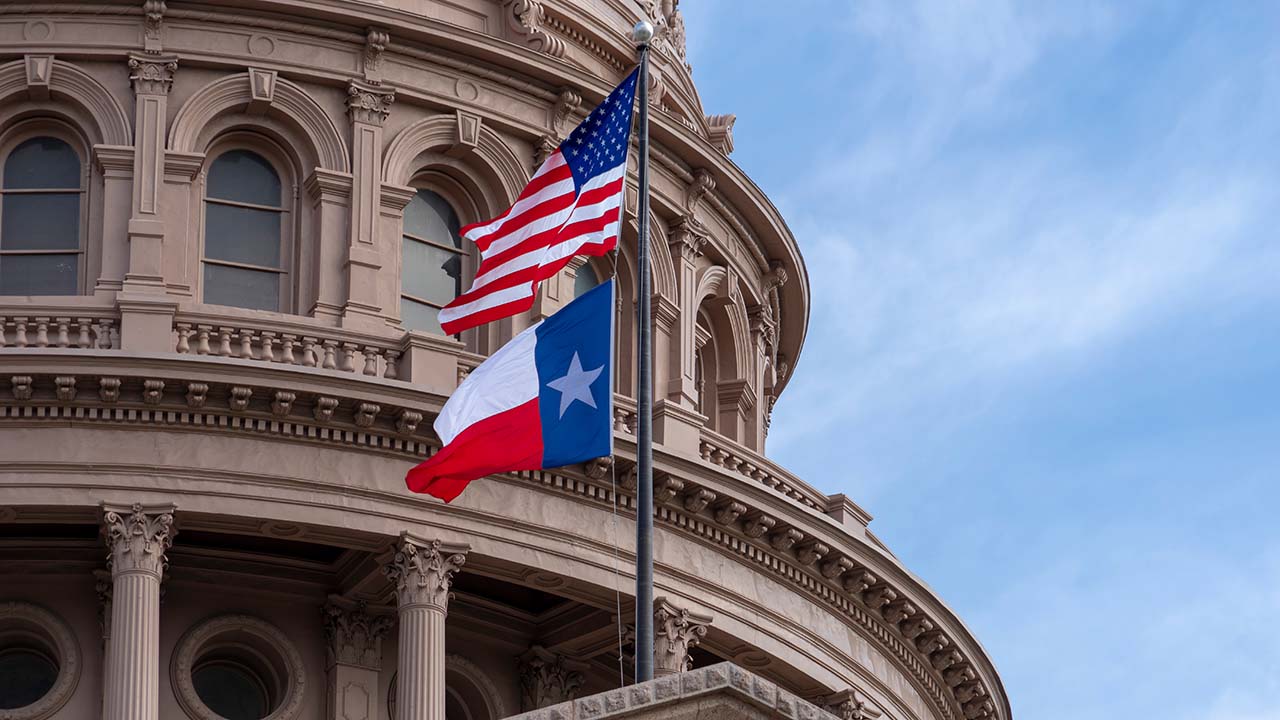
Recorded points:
153,26
152,74
375,44
851,705
547,678
676,630
368,103
703,183
354,636
567,102
137,537
720,131
528,19
422,571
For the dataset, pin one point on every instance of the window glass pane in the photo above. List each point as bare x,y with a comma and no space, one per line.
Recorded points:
237,287
38,274
42,163
429,217
231,691
244,177
40,222
25,677
584,280
242,235
431,273
416,316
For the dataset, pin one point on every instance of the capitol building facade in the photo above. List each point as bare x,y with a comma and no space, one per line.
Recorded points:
226,229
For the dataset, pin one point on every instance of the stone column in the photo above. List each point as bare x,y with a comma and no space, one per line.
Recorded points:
547,678
354,657
422,571
138,537
676,630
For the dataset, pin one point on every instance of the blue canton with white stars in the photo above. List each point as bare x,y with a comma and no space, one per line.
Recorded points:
600,143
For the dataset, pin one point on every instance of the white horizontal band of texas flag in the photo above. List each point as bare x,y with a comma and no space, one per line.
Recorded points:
571,206
543,400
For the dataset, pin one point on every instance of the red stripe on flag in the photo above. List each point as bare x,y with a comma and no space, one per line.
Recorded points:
506,442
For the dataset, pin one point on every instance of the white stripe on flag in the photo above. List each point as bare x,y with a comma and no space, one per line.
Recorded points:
508,379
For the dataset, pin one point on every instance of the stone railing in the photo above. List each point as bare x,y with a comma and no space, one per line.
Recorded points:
78,328
624,414
289,344
723,452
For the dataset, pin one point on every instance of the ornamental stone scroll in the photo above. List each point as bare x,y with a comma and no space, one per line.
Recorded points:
676,630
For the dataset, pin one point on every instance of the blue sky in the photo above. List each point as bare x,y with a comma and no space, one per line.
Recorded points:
1042,242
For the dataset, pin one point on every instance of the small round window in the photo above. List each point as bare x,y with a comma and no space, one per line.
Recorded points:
26,675
232,690
39,662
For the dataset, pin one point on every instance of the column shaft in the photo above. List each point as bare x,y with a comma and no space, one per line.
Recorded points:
133,685
421,688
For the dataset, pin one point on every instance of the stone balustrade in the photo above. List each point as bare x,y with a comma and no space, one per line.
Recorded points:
723,452
78,330
305,347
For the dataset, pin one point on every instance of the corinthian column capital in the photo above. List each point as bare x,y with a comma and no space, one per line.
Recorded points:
676,629
422,571
354,635
137,536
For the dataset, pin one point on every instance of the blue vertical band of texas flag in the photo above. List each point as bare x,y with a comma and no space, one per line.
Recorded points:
545,399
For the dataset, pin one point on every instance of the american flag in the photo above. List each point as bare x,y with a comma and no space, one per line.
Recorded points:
571,206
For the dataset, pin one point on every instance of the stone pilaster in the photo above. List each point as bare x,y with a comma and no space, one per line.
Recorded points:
688,238
137,537
675,630
422,572
547,678
353,651
152,76
368,105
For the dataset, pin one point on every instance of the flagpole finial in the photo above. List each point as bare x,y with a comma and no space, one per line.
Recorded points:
642,33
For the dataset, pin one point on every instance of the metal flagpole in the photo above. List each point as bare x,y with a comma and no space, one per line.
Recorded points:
643,33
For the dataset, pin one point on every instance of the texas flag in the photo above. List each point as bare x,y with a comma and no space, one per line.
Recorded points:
543,400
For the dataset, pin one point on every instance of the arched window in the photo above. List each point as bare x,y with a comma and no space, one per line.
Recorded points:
584,278
40,220
245,234
432,258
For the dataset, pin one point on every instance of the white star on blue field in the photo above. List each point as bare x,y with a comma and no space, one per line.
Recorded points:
1043,240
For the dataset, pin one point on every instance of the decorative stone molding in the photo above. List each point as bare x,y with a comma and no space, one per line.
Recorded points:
152,74
109,389
596,469
153,25
688,238
65,388
366,413
375,44
546,679
698,500
811,552
282,405
856,582
138,537
758,524
851,705
152,391
676,629
324,407
247,638
528,19
720,131
422,571
55,639
729,511
407,422
469,125
354,636
262,90
703,183
666,488
567,102
197,394
39,75
369,103
21,385
785,539
238,398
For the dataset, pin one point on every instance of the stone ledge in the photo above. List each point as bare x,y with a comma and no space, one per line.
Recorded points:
721,691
